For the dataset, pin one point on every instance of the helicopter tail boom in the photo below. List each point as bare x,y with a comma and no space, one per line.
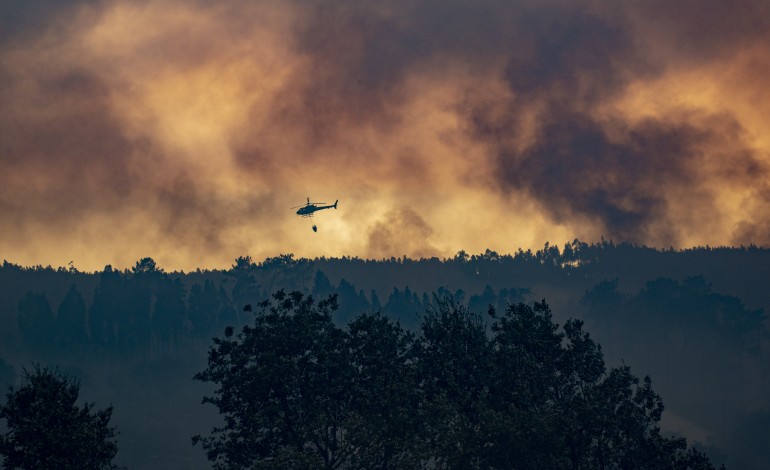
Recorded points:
335,203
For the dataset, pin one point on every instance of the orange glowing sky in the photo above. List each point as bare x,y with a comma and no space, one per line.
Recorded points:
185,130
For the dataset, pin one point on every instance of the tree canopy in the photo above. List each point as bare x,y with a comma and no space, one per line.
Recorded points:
47,429
509,390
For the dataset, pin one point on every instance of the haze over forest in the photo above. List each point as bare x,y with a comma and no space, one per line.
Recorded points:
693,320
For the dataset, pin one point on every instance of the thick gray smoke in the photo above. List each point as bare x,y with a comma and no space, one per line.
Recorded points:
185,130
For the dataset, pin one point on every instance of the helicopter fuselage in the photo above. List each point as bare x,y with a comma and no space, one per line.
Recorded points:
307,211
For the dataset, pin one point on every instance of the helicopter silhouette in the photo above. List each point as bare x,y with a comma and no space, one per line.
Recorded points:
307,210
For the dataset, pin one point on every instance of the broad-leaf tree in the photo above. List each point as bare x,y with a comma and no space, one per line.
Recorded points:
46,428
453,366
284,389
297,391
385,397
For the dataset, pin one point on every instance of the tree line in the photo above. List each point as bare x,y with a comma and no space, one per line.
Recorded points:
706,348
148,310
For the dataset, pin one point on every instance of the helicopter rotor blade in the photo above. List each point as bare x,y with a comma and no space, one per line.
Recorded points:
305,205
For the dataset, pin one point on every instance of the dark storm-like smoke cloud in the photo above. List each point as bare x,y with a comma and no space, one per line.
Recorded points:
562,58
66,156
361,53
69,161
55,159
548,137
623,180
26,18
570,62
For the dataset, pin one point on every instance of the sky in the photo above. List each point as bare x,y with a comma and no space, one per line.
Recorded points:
186,130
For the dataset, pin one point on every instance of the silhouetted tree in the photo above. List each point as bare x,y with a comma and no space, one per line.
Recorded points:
525,350
322,286
587,417
405,306
385,398
71,323
47,429
169,314
204,304
510,296
376,305
36,322
246,289
146,266
120,314
283,389
479,303
227,314
453,366
351,303
604,301
104,313
297,391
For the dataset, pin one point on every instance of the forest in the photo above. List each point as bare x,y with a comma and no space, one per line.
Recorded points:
693,320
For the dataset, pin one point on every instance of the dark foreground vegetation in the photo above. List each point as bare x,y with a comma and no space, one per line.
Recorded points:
506,390
47,429
694,320
297,391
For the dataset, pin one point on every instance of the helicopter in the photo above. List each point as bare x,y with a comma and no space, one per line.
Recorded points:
309,208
